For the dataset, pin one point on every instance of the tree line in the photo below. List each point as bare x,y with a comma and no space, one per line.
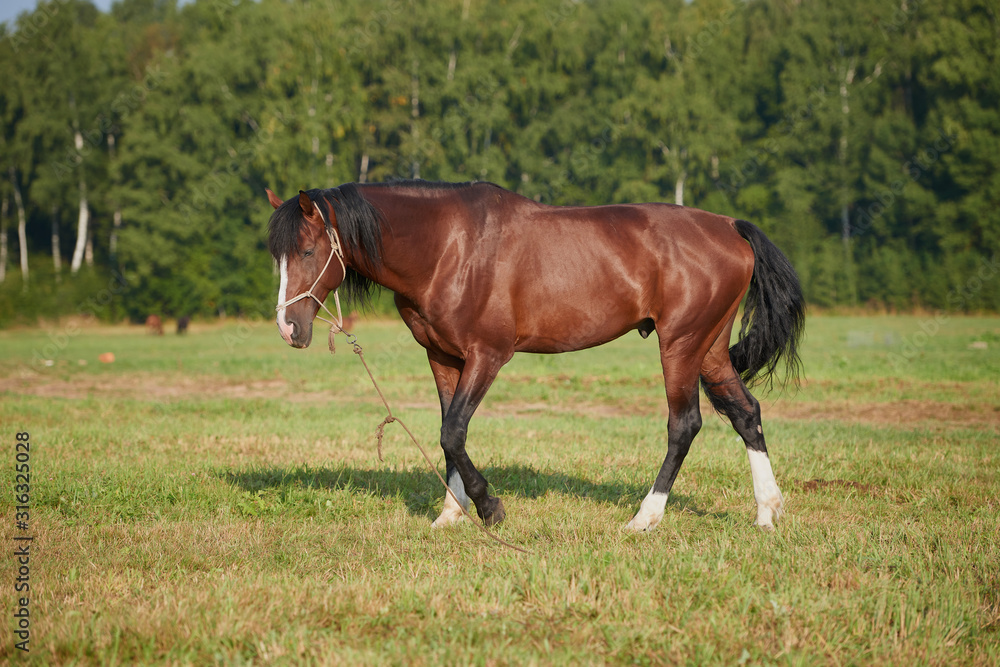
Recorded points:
136,144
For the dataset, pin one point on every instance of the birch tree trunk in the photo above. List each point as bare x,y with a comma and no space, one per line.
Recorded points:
22,234
113,241
415,114
84,220
116,224
363,176
56,257
845,218
679,189
3,240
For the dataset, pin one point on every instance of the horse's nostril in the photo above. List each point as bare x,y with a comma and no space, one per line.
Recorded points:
295,330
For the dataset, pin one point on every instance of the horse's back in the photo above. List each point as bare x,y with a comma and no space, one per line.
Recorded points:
580,240
581,276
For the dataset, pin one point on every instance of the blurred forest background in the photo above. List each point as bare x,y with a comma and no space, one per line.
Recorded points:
135,145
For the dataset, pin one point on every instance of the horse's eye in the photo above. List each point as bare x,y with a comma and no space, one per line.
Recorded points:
308,253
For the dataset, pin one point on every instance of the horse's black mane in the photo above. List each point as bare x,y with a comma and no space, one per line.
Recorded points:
358,222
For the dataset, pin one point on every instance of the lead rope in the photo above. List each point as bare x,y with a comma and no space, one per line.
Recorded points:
337,326
380,431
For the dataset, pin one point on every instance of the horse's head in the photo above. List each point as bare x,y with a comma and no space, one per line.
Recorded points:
300,238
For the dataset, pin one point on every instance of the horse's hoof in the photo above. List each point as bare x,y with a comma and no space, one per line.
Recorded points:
770,511
650,513
449,517
642,524
494,514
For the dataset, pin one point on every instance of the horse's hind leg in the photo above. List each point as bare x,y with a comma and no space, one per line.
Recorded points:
680,374
730,396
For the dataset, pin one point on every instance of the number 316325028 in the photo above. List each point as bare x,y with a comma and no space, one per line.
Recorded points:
22,468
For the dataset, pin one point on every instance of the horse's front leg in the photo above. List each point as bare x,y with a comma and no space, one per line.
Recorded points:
447,370
456,503
478,373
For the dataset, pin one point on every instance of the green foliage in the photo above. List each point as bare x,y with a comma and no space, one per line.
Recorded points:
93,293
863,139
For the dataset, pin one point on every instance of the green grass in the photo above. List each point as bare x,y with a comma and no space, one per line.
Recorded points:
217,499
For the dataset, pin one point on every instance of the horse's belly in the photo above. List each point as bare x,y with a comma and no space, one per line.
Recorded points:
554,332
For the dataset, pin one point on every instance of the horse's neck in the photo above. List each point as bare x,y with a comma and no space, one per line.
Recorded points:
413,234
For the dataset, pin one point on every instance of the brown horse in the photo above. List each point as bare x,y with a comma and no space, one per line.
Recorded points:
154,325
480,273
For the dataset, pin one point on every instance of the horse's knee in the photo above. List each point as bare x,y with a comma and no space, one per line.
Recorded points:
685,426
453,439
694,421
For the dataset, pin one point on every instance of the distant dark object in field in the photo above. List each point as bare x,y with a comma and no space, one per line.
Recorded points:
154,325
480,273
182,324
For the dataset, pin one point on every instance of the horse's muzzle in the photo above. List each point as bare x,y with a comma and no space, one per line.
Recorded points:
301,335
295,335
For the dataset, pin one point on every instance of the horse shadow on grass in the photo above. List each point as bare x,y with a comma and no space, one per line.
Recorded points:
422,492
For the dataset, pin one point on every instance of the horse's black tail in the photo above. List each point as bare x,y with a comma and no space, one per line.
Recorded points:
773,315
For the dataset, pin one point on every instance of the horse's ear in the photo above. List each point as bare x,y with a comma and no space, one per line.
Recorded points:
306,204
273,198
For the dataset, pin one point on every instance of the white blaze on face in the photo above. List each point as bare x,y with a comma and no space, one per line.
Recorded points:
765,489
283,326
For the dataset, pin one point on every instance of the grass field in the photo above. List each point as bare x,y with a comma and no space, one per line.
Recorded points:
217,499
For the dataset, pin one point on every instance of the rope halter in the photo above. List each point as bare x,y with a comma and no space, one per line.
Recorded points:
336,250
